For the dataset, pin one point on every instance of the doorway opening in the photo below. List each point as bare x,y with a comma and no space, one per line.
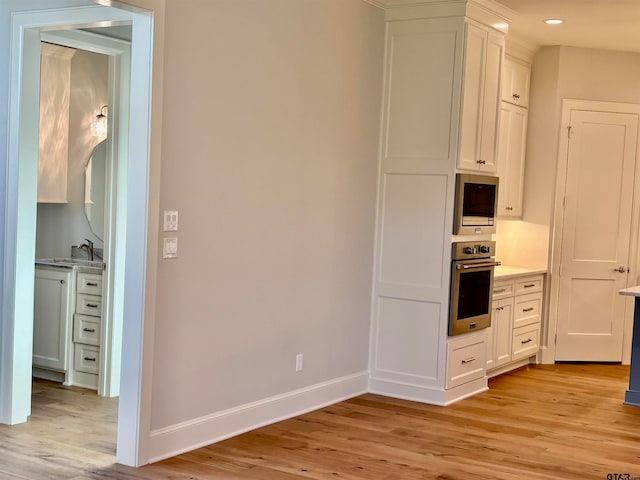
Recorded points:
131,214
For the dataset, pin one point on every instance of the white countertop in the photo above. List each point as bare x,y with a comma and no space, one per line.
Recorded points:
509,271
631,292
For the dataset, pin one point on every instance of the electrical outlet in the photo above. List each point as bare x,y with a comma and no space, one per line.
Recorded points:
299,364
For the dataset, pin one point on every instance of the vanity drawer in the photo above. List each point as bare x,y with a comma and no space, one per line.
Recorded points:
467,361
529,285
87,358
526,310
502,290
88,305
526,341
89,283
86,330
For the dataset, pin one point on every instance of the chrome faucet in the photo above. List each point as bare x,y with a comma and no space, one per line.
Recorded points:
88,247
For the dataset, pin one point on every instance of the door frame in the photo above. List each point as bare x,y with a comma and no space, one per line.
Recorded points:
569,105
140,219
119,74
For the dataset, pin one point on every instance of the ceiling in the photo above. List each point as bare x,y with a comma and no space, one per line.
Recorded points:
606,24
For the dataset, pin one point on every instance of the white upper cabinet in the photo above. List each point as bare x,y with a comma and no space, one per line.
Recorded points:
53,134
513,136
483,55
515,82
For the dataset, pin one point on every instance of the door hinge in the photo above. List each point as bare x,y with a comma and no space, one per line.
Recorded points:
569,131
560,271
555,339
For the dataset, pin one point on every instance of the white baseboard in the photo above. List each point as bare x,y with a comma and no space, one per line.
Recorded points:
433,396
183,437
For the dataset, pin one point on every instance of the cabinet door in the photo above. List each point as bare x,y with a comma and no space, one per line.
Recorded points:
502,325
511,158
490,120
481,100
51,318
515,82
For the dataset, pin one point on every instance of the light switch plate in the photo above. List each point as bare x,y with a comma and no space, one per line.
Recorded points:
170,223
170,247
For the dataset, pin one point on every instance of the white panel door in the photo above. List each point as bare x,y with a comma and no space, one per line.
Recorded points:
596,235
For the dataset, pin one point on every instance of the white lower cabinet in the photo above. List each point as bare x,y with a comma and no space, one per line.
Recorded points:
87,326
67,325
502,330
515,323
466,357
52,318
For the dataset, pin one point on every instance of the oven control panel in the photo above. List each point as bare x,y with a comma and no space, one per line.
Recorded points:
474,249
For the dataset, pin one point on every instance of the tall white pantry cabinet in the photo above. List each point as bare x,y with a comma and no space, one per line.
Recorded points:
441,110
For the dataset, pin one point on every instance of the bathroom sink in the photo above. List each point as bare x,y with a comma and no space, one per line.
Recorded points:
70,262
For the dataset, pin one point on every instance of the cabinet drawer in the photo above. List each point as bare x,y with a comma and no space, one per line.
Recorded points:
86,329
529,285
527,310
88,305
502,290
87,358
89,283
525,341
467,361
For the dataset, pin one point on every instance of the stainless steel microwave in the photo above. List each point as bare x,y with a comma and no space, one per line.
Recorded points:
476,204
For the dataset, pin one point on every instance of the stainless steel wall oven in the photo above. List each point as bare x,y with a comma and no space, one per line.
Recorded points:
471,286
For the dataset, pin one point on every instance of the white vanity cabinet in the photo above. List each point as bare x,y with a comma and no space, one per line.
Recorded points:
515,322
480,116
68,323
52,311
87,326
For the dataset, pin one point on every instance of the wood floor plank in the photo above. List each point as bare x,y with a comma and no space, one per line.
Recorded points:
549,422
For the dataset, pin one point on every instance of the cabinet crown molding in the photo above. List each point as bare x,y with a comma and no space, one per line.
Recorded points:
488,12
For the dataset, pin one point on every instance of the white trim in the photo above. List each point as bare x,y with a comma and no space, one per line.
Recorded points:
183,437
19,230
375,3
432,396
119,52
520,48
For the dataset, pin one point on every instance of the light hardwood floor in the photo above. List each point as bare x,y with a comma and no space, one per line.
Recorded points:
541,422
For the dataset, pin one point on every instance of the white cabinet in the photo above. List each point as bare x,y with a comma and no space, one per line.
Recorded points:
502,329
466,359
51,318
87,326
515,323
511,157
515,81
484,51
53,136
440,113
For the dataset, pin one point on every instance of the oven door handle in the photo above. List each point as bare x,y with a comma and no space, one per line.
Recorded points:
477,265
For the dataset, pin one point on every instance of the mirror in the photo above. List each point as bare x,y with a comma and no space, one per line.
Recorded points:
94,189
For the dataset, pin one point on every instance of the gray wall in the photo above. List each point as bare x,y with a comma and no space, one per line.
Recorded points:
269,153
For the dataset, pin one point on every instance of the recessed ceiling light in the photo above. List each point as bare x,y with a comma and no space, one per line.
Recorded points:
554,21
